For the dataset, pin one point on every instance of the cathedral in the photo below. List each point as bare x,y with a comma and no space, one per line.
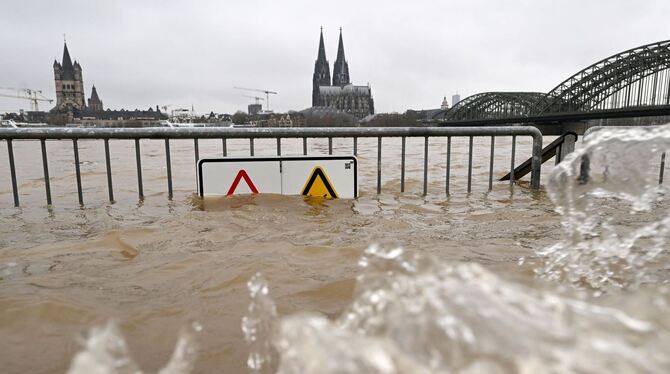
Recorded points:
340,94
70,87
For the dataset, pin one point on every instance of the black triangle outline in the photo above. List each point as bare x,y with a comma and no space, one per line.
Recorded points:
318,171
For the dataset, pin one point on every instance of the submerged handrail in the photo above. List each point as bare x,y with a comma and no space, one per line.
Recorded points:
553,149
106,134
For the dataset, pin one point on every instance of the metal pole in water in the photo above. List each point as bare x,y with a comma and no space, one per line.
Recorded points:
425,166
402,166
12,172
330,146
168,165
493,144
379,164
304,146
536,163
45,166
511,173
138,158
109,172
75,148
355,146
278,146
448,162
660,175
470,165
224,143
196,150
251,146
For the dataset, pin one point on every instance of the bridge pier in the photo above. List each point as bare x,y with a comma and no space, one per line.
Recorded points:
567,147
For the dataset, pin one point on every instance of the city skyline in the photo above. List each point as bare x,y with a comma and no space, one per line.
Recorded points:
174,53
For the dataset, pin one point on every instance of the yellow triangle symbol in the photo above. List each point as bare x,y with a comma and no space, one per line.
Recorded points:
319,185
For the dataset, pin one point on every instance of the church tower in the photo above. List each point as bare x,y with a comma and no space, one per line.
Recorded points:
321,72
94,103
341,68
69,83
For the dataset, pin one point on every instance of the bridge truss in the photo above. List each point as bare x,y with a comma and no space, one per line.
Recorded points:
636,78
490,105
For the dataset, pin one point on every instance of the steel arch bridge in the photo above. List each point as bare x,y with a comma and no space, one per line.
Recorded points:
638,78
490,105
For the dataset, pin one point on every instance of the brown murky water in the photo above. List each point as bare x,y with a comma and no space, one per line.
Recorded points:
159,264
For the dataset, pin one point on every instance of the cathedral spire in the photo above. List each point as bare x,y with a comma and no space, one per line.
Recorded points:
322,48
340,48
321,75
68,69
341,68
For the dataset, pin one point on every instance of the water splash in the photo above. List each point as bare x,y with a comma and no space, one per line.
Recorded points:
106,352
258,326
412,313
612,179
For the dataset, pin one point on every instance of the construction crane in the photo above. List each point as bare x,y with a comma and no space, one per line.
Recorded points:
266,92
254,97
27,94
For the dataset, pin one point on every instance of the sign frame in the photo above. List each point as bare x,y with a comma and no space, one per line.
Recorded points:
281,160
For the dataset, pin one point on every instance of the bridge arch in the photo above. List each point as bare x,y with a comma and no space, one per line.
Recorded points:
490,105
633,78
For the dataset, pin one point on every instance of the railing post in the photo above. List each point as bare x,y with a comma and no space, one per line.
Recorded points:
425,166
660,174
536,163
379,165
45,167
567,147
12,172
402,166
75,148
108,163
168,166
448,164
470,165
491,158
138,159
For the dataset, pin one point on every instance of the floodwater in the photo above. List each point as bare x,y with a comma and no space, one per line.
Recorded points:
486,282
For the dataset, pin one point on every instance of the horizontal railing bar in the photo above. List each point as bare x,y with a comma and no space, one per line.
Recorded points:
255,133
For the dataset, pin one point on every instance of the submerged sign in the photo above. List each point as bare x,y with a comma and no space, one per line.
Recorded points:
324,176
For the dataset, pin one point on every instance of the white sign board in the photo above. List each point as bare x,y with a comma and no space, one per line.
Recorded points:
238,176
326,176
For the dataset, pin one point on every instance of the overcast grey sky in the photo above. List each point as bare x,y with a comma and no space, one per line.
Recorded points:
412,53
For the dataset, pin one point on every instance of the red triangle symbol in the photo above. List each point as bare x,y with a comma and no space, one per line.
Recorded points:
242,174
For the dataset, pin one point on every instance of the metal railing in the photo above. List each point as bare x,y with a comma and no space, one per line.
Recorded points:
166,134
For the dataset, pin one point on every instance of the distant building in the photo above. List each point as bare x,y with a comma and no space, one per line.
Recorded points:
445,104
117,118
94,103
455,99
341,94
69,83
71,105
254,109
